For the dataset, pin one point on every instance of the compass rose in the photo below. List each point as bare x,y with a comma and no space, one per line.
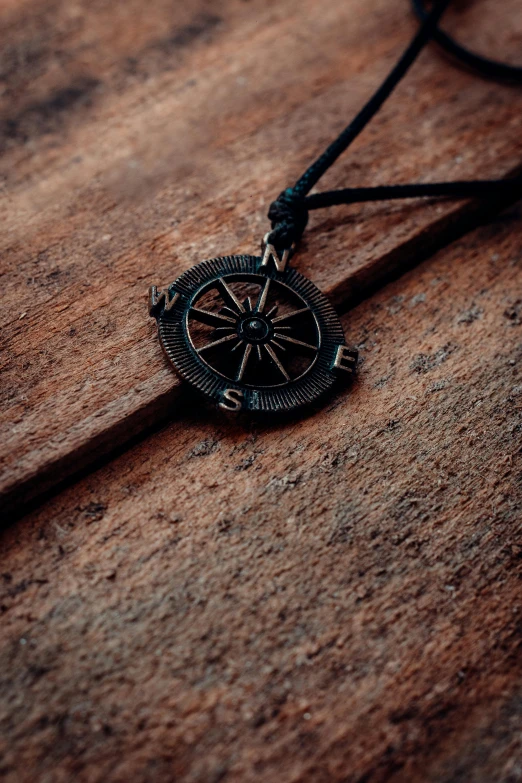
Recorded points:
251,338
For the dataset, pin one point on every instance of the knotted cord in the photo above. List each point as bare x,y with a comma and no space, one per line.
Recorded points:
289,212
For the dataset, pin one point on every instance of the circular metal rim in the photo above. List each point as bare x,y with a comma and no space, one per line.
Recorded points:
306,389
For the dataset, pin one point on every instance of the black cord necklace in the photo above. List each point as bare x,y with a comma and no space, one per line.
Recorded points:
250,332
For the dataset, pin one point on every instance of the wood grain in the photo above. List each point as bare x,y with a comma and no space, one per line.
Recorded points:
141,138
337,599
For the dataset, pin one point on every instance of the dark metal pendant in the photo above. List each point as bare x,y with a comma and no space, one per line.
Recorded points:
251,333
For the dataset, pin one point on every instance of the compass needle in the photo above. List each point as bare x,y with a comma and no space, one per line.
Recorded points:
291,315
296,342
217,342
229,296
209,318
276,361
244,362
231,313
261,302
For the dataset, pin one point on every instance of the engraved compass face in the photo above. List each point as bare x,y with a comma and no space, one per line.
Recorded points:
251,336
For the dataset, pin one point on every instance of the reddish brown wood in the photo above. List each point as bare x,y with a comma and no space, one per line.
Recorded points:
143,137
334,599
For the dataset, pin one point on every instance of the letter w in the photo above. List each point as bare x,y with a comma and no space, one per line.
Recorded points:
161,300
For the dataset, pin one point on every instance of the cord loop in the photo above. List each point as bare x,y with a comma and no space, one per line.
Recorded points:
288,215
289,212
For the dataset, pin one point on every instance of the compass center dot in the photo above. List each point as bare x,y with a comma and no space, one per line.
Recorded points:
255,329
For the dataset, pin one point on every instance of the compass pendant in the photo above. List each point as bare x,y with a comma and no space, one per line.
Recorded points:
251,333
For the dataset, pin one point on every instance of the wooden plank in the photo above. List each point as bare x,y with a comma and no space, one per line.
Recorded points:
332,599
139,142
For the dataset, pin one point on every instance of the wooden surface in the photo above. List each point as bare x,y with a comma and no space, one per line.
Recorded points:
141,138
334,599
337,599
